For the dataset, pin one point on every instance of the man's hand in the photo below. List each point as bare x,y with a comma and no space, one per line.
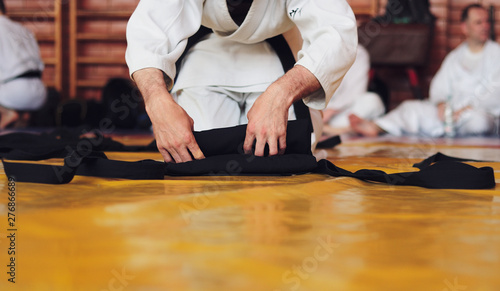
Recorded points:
268,117
441,107
267,121
172,126
456,114
173,129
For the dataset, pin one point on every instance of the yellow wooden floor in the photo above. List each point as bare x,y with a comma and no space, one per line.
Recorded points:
308,232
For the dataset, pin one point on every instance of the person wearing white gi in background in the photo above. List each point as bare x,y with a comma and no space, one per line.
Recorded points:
234,74
19,55
352,97
469,76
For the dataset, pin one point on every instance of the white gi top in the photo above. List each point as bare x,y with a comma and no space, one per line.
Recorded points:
158,30
475,85
19,50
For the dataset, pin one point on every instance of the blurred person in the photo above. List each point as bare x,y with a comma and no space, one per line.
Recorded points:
21,87
468,81
352,97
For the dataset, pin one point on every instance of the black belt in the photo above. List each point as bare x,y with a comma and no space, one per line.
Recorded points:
26,75
224,156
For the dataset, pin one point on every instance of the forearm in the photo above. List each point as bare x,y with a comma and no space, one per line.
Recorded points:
151,83
296,84
172,126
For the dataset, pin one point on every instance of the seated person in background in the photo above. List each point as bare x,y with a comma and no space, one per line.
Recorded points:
21,87
352,97
469,79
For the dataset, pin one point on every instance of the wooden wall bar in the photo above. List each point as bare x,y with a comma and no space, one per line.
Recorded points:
83,41
97,44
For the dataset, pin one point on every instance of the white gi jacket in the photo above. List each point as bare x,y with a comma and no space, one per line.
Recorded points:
158,30
479,87
19,53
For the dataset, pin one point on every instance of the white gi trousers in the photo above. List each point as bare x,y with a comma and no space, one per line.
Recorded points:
23,94
367,106
420,117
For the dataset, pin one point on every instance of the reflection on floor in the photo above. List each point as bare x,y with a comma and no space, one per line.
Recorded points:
307,232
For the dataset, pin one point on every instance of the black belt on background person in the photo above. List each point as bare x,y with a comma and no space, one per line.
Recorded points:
224,156
26,75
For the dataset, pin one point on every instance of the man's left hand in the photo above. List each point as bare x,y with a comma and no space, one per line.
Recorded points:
267,122
268,117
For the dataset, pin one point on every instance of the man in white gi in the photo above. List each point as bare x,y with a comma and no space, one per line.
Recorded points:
353,97
233,75
468,80
21,88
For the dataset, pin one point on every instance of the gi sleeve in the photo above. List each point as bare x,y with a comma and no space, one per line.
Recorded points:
329,33
157,34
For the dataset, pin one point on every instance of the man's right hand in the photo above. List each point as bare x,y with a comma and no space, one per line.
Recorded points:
173,130
456,114
172,126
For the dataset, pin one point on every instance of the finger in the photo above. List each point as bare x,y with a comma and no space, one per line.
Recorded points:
184,155
273,146
248,144
282,144
166,156
196,151
177,158
259,147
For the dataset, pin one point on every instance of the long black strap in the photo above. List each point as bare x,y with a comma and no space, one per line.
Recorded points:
223,148
62,142
451,173
440,175
226,158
